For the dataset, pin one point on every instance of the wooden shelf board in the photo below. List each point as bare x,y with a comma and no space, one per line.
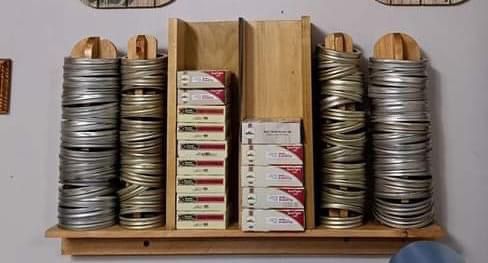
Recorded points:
371,230
370,239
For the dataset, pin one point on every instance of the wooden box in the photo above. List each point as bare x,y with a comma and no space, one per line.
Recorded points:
201,45
271,62
276,82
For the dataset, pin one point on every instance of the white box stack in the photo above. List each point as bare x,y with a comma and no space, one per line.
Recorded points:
272,176
202,134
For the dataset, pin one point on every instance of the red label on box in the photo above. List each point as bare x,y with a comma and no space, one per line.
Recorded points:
298,193
297,150
299,216
218,74
219,93
296,171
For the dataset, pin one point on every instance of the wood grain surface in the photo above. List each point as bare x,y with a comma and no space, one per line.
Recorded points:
422,2
370,239
277,83
104,4
5,85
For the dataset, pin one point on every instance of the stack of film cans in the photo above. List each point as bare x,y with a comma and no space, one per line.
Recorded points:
272,176
141,143
89,144
202,134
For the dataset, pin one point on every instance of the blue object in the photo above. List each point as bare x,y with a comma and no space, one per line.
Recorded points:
427,252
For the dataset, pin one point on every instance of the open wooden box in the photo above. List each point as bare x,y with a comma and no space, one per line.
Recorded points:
271,62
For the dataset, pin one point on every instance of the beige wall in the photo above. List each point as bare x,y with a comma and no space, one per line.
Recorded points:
37,34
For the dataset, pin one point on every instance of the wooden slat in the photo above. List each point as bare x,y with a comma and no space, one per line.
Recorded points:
371,230
230,246
306,46
176,34
371,239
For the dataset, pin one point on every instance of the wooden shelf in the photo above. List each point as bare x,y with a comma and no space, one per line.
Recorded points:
370,239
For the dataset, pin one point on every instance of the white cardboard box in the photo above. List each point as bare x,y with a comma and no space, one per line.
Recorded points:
272,176
272,220
201,202
203,79
263,131
200,184
203,97
273,198
202,150
201,220
191,167
202,114
262,155
202,131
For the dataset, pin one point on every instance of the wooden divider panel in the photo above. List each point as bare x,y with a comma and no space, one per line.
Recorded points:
192,46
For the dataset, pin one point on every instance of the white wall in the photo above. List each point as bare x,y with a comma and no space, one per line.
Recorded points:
38,34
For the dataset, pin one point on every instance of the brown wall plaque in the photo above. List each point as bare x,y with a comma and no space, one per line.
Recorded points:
5,75
421,2
105,4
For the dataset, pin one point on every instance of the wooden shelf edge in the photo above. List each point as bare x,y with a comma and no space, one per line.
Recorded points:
370,239
230,246
370,230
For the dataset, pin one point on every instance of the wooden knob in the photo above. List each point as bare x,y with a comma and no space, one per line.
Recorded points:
397,46
94,47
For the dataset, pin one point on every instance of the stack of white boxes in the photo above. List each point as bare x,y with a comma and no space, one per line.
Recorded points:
272,176
202,133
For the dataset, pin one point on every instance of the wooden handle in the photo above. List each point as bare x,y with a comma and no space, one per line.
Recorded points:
340,42
142,47
397,46
94,47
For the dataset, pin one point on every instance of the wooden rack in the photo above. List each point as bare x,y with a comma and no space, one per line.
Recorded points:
371,239
271,61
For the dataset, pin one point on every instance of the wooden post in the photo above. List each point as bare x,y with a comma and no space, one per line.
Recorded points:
340,42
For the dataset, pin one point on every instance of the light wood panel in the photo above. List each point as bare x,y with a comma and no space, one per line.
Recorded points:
370,230
371,239
277,82
421,2
103,4
230,246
